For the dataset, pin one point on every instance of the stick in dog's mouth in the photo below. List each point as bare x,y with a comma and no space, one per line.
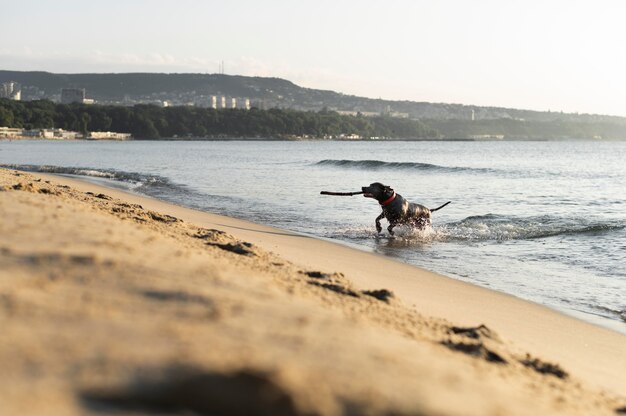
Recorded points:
341,193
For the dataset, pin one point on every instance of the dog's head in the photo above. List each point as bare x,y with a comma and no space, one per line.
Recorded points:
378,191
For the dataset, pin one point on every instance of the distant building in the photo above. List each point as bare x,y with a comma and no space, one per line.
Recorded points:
349,137
222,102
72,95
213,102
108,135
397,114
486,136
37,133
52,134
60,134
11,90
233,103
10,133
357,113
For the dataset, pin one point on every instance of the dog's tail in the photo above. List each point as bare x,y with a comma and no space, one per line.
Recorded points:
438,208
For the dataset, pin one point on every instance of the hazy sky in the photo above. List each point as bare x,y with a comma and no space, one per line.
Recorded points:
546,55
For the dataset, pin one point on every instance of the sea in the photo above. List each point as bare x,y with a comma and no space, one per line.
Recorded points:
541,220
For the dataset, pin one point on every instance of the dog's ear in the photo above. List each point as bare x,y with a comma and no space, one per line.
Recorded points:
388,188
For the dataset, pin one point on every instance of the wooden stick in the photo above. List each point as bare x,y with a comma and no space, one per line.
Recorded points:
340,193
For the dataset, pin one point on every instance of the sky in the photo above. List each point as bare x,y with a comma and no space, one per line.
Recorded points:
558,55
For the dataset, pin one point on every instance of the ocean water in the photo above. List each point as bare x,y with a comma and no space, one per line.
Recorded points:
544,221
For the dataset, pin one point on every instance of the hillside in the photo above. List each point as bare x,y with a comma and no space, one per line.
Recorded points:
196,89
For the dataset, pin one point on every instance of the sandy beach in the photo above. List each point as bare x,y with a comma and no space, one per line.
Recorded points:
112,302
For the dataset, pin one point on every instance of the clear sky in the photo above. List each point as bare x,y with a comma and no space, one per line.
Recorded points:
559,55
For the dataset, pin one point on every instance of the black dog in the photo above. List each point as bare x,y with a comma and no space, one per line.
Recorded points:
396,209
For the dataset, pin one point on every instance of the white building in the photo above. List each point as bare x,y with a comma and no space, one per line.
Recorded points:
10,133
108,135
52,134
11,90
240,103
60,134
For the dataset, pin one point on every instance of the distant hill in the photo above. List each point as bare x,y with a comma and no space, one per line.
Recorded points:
179,89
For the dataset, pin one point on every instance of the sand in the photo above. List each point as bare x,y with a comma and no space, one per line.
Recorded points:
116,303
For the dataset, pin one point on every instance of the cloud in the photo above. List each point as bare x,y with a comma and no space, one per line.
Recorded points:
99,61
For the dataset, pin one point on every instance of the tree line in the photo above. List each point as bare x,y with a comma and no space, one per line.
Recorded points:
530,129
154,122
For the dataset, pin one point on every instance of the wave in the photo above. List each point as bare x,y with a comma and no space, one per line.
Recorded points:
612,313
382,165
95,172
499,228
140,182
148,184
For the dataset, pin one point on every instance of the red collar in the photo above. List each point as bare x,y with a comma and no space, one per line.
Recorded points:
388,201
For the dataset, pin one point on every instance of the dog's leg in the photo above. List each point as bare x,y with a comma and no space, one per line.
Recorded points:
390,228
378,226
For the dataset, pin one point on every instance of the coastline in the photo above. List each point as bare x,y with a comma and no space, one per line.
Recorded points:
525,323
400,327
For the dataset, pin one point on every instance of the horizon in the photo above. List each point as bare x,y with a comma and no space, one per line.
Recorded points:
561,56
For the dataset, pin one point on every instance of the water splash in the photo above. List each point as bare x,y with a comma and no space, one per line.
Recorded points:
490,227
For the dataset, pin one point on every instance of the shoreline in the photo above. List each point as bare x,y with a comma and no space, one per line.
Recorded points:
408,283
278,139
613,325
151,287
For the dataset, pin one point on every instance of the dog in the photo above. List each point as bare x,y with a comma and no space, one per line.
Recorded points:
398,210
